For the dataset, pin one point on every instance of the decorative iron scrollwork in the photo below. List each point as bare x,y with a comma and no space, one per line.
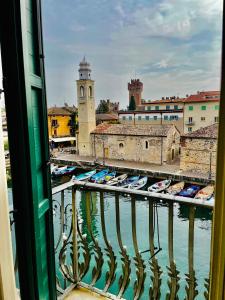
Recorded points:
154,291
191,291
173,282
124,279
206,285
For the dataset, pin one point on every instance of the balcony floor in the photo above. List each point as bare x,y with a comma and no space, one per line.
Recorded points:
82,293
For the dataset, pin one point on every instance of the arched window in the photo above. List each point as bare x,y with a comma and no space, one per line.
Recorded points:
82,91
121,145
146,144
90,91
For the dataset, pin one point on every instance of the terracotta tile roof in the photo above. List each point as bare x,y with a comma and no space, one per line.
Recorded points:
199,97
106,117
210,131
124,129
204,97
59,111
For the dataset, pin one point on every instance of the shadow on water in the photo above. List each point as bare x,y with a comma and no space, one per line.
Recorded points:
201,213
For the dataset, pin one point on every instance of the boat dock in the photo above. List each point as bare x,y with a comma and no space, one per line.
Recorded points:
133,168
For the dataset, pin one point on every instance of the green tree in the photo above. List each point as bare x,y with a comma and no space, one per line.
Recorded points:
102,107
132,105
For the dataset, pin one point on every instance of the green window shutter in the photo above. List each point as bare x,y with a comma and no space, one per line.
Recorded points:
167,107
216,107
22,61
190,107
203,107
156,107
175,107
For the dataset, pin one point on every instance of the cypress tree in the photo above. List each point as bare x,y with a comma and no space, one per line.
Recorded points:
132,105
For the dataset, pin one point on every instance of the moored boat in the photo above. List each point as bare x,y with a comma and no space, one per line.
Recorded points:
175,188
137,185
205,193
99,175
160,186
67,170
106,177
190,191
117,180
53,167
128,181
84,176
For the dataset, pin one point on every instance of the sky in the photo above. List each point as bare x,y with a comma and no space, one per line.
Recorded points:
173,46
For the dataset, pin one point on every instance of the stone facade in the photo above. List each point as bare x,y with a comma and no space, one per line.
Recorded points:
156,144
135,88
198,151
86,108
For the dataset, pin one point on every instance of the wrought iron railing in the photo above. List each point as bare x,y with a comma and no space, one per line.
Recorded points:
75,250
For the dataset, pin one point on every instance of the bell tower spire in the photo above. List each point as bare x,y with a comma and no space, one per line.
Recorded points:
86,108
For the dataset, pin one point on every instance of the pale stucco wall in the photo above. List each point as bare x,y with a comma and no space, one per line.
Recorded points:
197,114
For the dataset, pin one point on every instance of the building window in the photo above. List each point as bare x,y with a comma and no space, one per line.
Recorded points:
155,117
124,118
203,107
216,107
190,120
121,145
90,91
54,123
202,118
165,117
149,108
139,118
189,129
82,91
167,106
190,107
175,107
146,144
147,118
216,119
130,118
156,107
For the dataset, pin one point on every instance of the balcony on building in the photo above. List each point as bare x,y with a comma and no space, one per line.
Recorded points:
190,123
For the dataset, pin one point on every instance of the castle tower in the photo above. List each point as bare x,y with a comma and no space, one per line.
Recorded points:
135,88
86,108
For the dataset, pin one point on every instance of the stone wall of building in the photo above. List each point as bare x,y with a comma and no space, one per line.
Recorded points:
155,150
198,155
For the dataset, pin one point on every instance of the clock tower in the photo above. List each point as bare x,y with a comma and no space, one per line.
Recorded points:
86,108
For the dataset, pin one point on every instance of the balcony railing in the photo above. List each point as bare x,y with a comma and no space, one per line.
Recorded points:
85,261
189,123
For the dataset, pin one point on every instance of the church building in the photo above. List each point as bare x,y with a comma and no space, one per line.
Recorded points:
156,144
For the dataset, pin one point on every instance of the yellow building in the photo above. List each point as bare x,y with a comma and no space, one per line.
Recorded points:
61,121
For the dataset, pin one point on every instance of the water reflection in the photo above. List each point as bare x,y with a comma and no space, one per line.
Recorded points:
84,213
